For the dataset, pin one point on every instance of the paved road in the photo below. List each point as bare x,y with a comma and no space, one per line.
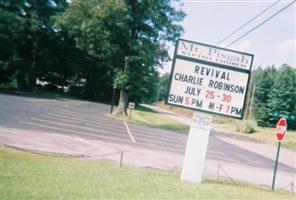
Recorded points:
89,121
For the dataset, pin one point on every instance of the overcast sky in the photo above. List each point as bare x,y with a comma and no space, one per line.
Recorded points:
210,21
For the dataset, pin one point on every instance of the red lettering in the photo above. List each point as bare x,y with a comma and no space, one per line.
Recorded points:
210,94
187,100
226,98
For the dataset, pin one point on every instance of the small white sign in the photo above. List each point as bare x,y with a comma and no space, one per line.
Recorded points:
207,81
131,105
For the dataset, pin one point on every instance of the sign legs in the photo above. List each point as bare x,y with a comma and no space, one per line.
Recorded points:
196,149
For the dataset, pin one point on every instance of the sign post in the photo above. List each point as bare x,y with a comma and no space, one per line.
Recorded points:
196,149
281,128
208,79
131,106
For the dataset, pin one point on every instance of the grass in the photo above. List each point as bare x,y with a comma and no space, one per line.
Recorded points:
151,118
175,109
229,125
262,134
268,135
29,176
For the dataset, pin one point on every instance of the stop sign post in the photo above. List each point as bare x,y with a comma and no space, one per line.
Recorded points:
281,128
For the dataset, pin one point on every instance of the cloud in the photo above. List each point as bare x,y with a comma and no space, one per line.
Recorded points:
286,47
244,45
287,50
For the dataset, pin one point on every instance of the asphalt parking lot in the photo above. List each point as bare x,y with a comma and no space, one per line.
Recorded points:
88,120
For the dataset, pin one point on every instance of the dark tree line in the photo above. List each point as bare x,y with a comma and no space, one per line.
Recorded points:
89,46
275,95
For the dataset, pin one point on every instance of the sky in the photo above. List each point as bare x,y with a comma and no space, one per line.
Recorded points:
272,43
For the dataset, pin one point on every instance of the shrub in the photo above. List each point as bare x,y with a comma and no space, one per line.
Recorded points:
246,126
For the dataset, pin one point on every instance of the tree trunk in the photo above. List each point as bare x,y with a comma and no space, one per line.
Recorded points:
32,81
121,109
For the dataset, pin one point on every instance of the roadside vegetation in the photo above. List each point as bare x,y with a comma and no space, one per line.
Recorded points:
148,117
262,134
247,128
30,176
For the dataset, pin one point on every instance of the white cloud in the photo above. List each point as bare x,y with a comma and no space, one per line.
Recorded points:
286,50
244,45
286,47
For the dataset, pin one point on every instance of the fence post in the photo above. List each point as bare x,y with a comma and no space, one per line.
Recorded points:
121,156
218,172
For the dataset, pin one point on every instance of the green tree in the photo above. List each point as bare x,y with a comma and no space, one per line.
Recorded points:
264,80
36,20
128,35
10,27
282,96
95,26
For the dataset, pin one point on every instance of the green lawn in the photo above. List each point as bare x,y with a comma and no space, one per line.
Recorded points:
29,176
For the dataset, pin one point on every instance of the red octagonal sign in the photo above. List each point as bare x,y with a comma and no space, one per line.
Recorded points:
281,128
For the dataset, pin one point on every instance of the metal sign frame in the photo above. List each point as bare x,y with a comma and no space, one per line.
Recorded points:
216,65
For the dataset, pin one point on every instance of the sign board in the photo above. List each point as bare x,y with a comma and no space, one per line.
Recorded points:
131,105
287,117
210,79
281,128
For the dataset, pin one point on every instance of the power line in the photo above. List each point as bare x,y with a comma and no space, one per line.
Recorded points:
269,18
239,28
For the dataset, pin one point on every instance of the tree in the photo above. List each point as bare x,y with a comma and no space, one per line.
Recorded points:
10,27
35,18
275,95
264,80
150,25
163,88
60,59
124,35
95,26
282,96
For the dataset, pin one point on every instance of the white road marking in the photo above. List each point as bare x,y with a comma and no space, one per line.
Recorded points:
83,122
147,145
72,131
98,130
70,118
93,116
144,138
129,132
168,138
77,117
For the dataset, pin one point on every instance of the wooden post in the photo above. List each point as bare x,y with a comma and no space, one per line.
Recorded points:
121,157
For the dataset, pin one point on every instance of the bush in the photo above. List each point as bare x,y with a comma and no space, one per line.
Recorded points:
246,126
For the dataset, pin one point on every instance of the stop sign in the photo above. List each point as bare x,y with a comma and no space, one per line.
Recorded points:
281,128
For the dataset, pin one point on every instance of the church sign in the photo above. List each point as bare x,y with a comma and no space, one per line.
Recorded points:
210,79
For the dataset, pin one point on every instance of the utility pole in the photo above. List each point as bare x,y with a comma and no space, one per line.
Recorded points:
113,98
252,96
252,99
